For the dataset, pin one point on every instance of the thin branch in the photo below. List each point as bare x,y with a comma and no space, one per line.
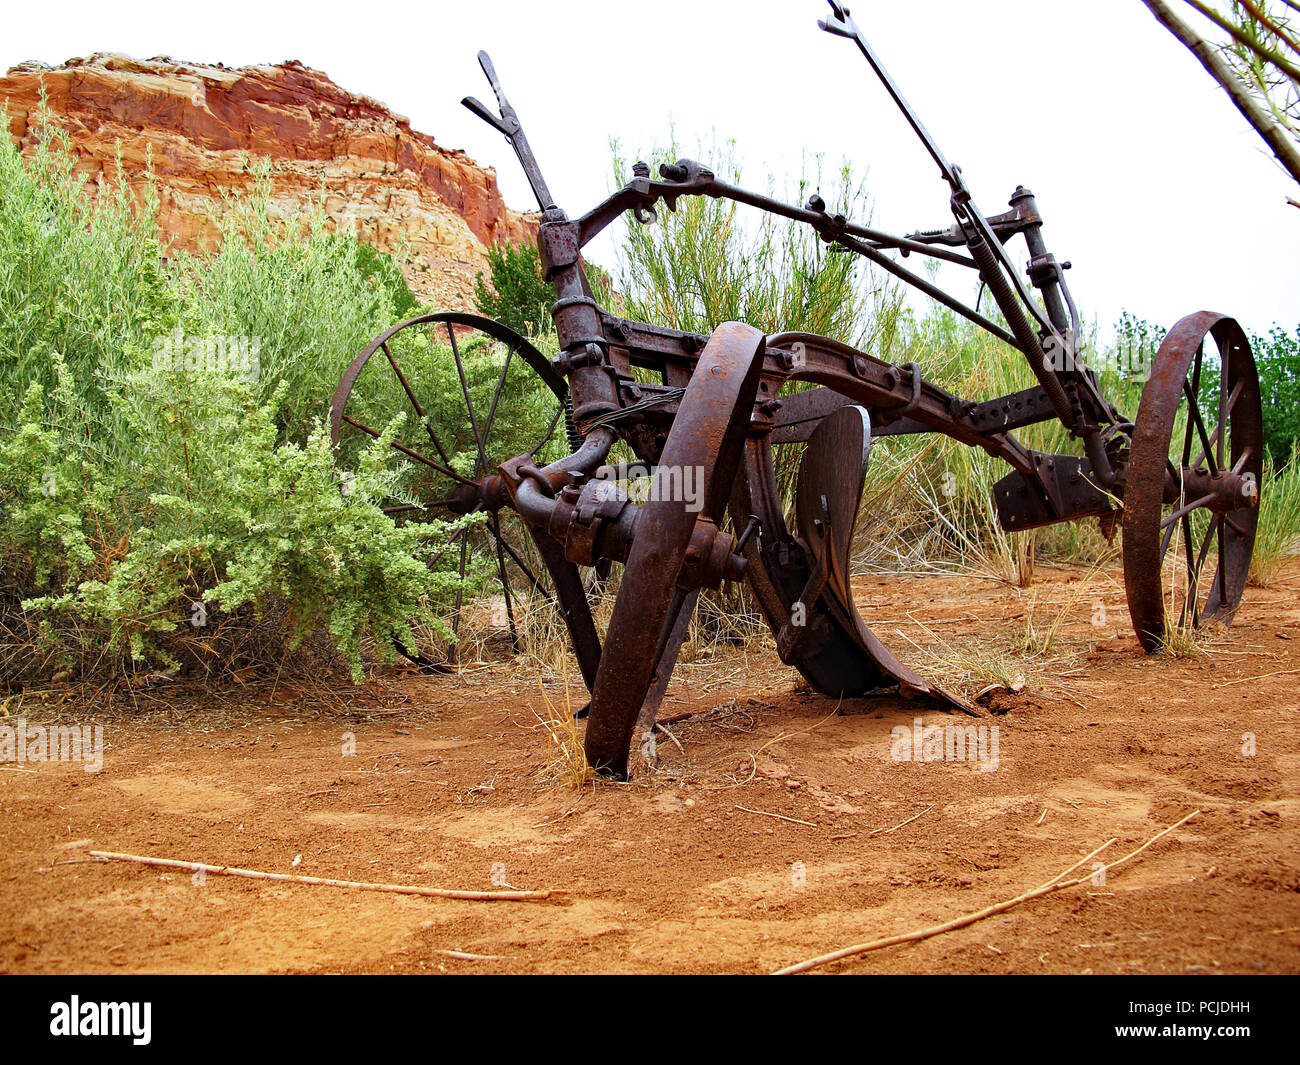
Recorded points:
1278,31
400,889
1277,138
887,831
1244,39
1051,886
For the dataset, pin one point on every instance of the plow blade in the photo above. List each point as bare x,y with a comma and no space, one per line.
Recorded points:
810,605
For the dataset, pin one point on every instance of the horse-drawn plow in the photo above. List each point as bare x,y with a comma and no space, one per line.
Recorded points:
704,414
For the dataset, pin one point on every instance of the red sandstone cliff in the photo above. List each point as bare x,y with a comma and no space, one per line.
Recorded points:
201,124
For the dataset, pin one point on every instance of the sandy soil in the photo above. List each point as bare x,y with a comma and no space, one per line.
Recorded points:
770,836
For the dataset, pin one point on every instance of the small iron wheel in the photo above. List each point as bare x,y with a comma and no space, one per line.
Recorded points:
1191,496
475,393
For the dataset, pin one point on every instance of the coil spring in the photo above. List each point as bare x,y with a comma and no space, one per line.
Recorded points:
570,429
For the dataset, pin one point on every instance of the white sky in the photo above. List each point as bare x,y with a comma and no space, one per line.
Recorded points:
1150,181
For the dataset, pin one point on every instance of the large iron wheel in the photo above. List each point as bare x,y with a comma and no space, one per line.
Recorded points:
707,439
474,393
1192,492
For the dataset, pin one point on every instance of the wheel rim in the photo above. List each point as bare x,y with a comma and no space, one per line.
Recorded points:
474,393
708,436
1189,521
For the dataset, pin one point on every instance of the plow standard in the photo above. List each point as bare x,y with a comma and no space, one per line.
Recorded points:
534,444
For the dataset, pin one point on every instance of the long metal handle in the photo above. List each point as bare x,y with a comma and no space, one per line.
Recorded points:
841,25
971,218
508,125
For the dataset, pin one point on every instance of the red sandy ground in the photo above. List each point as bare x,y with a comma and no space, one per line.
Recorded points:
453,775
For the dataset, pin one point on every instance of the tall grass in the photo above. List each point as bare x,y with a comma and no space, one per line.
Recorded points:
1277,537
712,261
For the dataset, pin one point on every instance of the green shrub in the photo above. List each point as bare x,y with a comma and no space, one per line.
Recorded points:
515,293
153,509
712,261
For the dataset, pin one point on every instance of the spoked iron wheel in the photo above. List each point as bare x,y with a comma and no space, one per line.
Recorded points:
1192,493
474,394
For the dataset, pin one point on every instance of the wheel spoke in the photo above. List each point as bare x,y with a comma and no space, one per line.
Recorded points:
1200,564
1224,356
523,566
1184,511
408,452
1223,565
1218,429
496,397
1190,597
1196,387
1194,411
419,411
1164,540
480,463
406,508
505,584
453,651
550,432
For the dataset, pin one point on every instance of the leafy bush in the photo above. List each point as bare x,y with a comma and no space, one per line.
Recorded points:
1277,357
515,293
154,507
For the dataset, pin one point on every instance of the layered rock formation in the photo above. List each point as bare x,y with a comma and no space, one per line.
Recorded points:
202,127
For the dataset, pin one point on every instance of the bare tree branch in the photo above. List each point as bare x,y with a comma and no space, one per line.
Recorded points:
1275,136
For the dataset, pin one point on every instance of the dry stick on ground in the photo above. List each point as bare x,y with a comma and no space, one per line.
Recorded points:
886,831
1262,676
1053,885
779,817
398,889
465,955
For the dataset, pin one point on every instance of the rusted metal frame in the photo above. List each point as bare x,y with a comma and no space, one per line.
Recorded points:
835,229
800,412
830,227
968,216
929,288
697,180
867,381
1004,226
995,267
1041,490
650,347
